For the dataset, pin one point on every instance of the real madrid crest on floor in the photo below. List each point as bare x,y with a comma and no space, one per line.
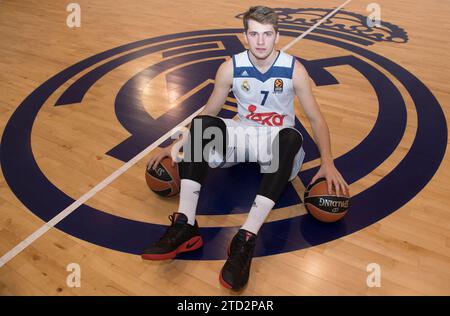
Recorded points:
79,104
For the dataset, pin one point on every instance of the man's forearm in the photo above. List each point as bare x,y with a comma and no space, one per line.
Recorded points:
322,138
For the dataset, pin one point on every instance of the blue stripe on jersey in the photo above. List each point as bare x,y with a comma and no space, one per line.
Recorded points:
292,66
234,66
253,72
274,72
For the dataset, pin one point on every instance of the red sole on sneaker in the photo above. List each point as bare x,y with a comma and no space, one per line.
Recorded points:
192,244
223,282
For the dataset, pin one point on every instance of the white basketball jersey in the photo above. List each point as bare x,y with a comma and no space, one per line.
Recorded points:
265,99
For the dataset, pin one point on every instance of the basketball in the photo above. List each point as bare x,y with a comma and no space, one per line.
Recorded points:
322,206
164,179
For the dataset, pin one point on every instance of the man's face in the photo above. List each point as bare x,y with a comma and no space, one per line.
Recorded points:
261,39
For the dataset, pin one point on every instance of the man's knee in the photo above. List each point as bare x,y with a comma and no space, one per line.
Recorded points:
290,140
206,121
203,129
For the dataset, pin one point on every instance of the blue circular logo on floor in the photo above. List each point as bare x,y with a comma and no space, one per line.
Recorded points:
201,55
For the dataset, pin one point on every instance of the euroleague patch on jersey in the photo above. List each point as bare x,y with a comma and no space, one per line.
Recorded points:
278,86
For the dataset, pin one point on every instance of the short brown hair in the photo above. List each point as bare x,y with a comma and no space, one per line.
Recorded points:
262,15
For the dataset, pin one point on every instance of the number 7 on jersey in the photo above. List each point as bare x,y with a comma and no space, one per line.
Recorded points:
266,94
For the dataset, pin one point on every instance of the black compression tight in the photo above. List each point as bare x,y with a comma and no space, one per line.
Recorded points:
197,171
272,184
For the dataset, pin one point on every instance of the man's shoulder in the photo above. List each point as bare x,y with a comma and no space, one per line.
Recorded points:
286,55
225,71
227,65
241,59
298,66
285,60
299,74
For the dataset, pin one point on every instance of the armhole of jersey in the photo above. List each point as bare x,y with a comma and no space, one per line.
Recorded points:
292,67
234,66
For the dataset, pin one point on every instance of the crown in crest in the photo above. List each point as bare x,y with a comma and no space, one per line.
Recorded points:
344,24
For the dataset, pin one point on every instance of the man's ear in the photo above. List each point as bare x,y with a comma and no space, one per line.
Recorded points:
277,37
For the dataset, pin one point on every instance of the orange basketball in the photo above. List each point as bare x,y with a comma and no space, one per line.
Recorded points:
164,179
323,206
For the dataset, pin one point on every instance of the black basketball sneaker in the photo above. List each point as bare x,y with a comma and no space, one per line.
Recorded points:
235,272
179,237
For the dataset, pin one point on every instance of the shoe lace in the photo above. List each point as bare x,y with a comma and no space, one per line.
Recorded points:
239,253
171,232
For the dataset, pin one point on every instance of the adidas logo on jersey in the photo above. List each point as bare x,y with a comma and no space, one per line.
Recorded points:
245,73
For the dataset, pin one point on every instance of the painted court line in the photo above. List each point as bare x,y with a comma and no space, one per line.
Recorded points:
314,26
68,210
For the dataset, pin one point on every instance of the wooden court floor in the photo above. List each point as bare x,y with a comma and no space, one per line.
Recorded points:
78,103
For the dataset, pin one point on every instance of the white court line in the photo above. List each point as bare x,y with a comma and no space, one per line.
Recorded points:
314,26
68,210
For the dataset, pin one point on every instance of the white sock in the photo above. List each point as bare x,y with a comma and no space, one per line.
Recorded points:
258,214
189,193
